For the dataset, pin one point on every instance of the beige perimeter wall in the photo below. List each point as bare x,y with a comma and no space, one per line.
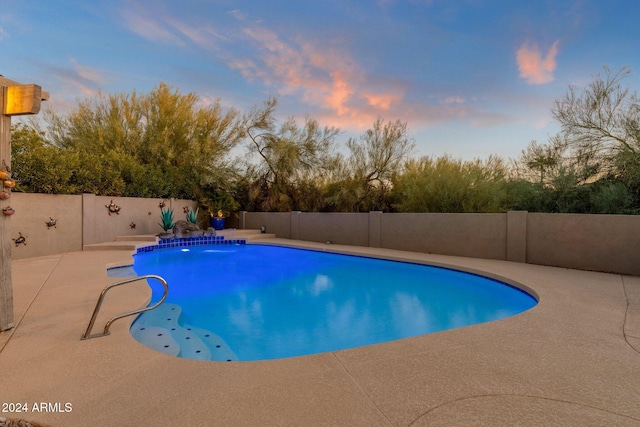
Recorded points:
81,220
609,243
588,242
33,211
99,226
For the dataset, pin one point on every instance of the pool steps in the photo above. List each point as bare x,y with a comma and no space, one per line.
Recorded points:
160,330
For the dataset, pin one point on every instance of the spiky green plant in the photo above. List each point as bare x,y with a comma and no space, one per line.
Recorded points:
192,216
166,215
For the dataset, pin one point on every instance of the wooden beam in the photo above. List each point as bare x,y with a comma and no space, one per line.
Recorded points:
8,82
22,99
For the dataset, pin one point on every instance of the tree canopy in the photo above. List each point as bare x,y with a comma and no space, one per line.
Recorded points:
160,144
168,144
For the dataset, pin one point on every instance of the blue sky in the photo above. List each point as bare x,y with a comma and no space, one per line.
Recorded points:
470,77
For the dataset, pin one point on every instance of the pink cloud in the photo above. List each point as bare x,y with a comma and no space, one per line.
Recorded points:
382,101
338,93
335,89
322,77
325,77
535,68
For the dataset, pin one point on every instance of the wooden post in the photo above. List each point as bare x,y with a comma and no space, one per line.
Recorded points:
15,99
6,291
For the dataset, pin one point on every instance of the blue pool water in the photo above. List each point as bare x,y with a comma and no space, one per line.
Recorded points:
257,302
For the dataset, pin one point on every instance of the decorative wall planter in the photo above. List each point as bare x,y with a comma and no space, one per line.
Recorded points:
4,174
9,183
4,195
8,211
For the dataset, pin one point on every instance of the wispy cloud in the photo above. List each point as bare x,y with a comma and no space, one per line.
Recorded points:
321,75
140,20
454,100
533,67
79,78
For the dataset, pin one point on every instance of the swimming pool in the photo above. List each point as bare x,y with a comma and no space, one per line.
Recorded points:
259,302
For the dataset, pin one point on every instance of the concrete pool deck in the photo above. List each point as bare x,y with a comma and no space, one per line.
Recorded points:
574,359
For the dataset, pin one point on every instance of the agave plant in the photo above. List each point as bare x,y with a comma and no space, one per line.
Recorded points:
192,216
166,215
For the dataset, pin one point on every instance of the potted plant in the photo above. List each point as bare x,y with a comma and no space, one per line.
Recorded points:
218,204
217,221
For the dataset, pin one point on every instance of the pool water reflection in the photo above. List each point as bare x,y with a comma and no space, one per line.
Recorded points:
268,302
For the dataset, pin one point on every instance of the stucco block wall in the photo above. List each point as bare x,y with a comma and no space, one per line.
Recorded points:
516,236
608,243
469,235
278,223
340,228
32,213
100,227
81,220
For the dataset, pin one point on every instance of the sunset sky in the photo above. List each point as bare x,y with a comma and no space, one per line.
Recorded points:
471,78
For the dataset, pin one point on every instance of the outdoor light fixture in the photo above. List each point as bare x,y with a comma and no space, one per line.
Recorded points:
263,229
23,99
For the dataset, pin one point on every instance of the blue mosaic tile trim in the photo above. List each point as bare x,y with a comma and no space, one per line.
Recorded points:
191,241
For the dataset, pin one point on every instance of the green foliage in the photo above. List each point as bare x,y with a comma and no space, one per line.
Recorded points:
593,164
213,199
39,166
161,144
166,144
613,198
192,216
375,159
523,195
166,216
291,160
444,184
602,118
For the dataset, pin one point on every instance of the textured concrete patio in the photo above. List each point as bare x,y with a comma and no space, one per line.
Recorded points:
574,359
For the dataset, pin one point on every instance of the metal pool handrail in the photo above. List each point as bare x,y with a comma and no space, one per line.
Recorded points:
130,313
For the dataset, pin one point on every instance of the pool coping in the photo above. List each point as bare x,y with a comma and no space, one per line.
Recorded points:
572,360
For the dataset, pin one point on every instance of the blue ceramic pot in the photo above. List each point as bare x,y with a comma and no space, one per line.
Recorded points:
217,223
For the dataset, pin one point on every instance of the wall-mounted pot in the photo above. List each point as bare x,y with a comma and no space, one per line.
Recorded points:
8,211
4,174
9,183
4,195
